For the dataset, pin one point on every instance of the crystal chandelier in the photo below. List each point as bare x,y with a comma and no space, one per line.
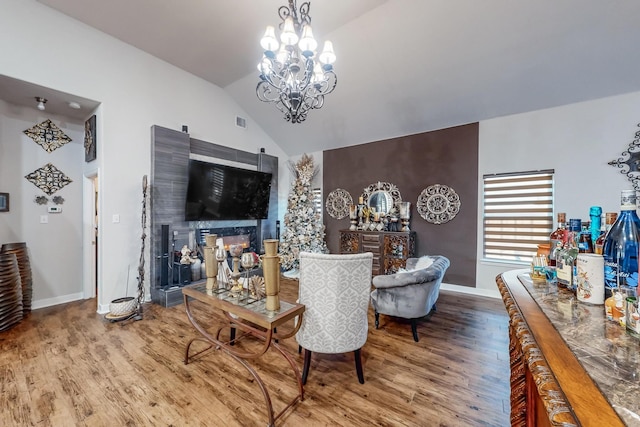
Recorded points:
291,76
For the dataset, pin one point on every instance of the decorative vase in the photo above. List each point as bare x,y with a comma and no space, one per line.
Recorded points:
271,271
210,262
195,269
270,247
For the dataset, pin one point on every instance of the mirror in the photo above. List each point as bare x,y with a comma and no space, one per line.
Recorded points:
382,196
381,201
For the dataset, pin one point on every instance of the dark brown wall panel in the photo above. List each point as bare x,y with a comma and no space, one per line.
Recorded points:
412,163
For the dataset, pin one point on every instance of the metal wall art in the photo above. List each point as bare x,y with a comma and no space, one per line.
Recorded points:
438,204
47,135
338,202
90,139
629,163
41,200
48,178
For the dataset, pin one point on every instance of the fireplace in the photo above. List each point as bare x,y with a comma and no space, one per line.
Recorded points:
233,235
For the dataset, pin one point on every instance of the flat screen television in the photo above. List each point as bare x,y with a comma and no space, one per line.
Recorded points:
220,192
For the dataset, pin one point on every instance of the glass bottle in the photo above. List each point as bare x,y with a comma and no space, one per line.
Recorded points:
595,214
609,219
613,307
567,257
620,248
558,235
585,244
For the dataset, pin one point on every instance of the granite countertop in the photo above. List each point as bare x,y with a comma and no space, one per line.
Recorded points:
609,355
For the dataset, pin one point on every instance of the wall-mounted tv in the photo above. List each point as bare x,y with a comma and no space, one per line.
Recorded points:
220,192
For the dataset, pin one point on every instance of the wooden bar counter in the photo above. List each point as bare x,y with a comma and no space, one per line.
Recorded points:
569,365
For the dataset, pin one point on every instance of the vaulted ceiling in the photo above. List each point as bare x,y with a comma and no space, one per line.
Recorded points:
404,66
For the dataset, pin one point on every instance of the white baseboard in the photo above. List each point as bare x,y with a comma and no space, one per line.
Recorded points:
492,293
48,302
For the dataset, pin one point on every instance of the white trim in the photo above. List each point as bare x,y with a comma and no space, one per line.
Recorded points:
472,291
48,302
104,308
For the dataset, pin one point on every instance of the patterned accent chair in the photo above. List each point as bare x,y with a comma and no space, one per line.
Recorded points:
410,294
335,291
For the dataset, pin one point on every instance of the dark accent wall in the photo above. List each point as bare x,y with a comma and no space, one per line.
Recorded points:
412,163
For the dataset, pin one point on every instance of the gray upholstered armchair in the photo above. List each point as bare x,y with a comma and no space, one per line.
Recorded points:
410,294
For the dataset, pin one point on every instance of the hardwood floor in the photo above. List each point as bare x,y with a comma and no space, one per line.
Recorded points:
68,366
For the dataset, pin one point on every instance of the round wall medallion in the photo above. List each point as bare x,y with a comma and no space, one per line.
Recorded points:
438,204
337,203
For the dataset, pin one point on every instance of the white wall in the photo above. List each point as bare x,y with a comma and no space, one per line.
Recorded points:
136,91
576,140
55,248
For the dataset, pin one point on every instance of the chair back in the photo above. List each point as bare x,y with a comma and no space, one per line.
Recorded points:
335,291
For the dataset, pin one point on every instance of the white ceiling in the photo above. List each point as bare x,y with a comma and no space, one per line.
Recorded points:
404,66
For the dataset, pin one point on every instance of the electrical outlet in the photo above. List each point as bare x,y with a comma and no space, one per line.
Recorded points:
115,219
44,219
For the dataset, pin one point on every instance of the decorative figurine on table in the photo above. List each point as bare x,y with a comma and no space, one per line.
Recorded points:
186,252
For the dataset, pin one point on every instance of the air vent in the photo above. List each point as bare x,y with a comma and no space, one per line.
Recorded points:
241,122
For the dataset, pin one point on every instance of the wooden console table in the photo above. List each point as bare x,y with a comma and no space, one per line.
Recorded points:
252,319
390,248
569,365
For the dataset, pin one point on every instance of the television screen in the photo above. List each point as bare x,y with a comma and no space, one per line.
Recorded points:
220,192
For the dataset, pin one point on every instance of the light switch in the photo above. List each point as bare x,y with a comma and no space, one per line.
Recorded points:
116,218
44,219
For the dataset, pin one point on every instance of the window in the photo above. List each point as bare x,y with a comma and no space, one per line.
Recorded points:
317,199
518,214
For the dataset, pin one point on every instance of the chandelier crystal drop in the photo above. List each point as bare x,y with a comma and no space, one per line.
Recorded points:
292,75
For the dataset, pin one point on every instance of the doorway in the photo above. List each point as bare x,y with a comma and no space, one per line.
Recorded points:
91,228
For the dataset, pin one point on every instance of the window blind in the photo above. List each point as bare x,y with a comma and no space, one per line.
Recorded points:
518,214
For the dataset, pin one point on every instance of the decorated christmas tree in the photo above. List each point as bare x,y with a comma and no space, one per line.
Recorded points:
303,227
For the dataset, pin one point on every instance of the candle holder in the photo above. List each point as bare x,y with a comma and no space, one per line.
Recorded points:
248,262
221,257
235,251
353,217
405,215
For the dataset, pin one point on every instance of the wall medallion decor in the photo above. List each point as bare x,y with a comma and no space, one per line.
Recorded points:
629,163
438,204
90,139
338,202
48,178
47,135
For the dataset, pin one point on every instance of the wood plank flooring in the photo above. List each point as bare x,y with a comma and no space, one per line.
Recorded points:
68,366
